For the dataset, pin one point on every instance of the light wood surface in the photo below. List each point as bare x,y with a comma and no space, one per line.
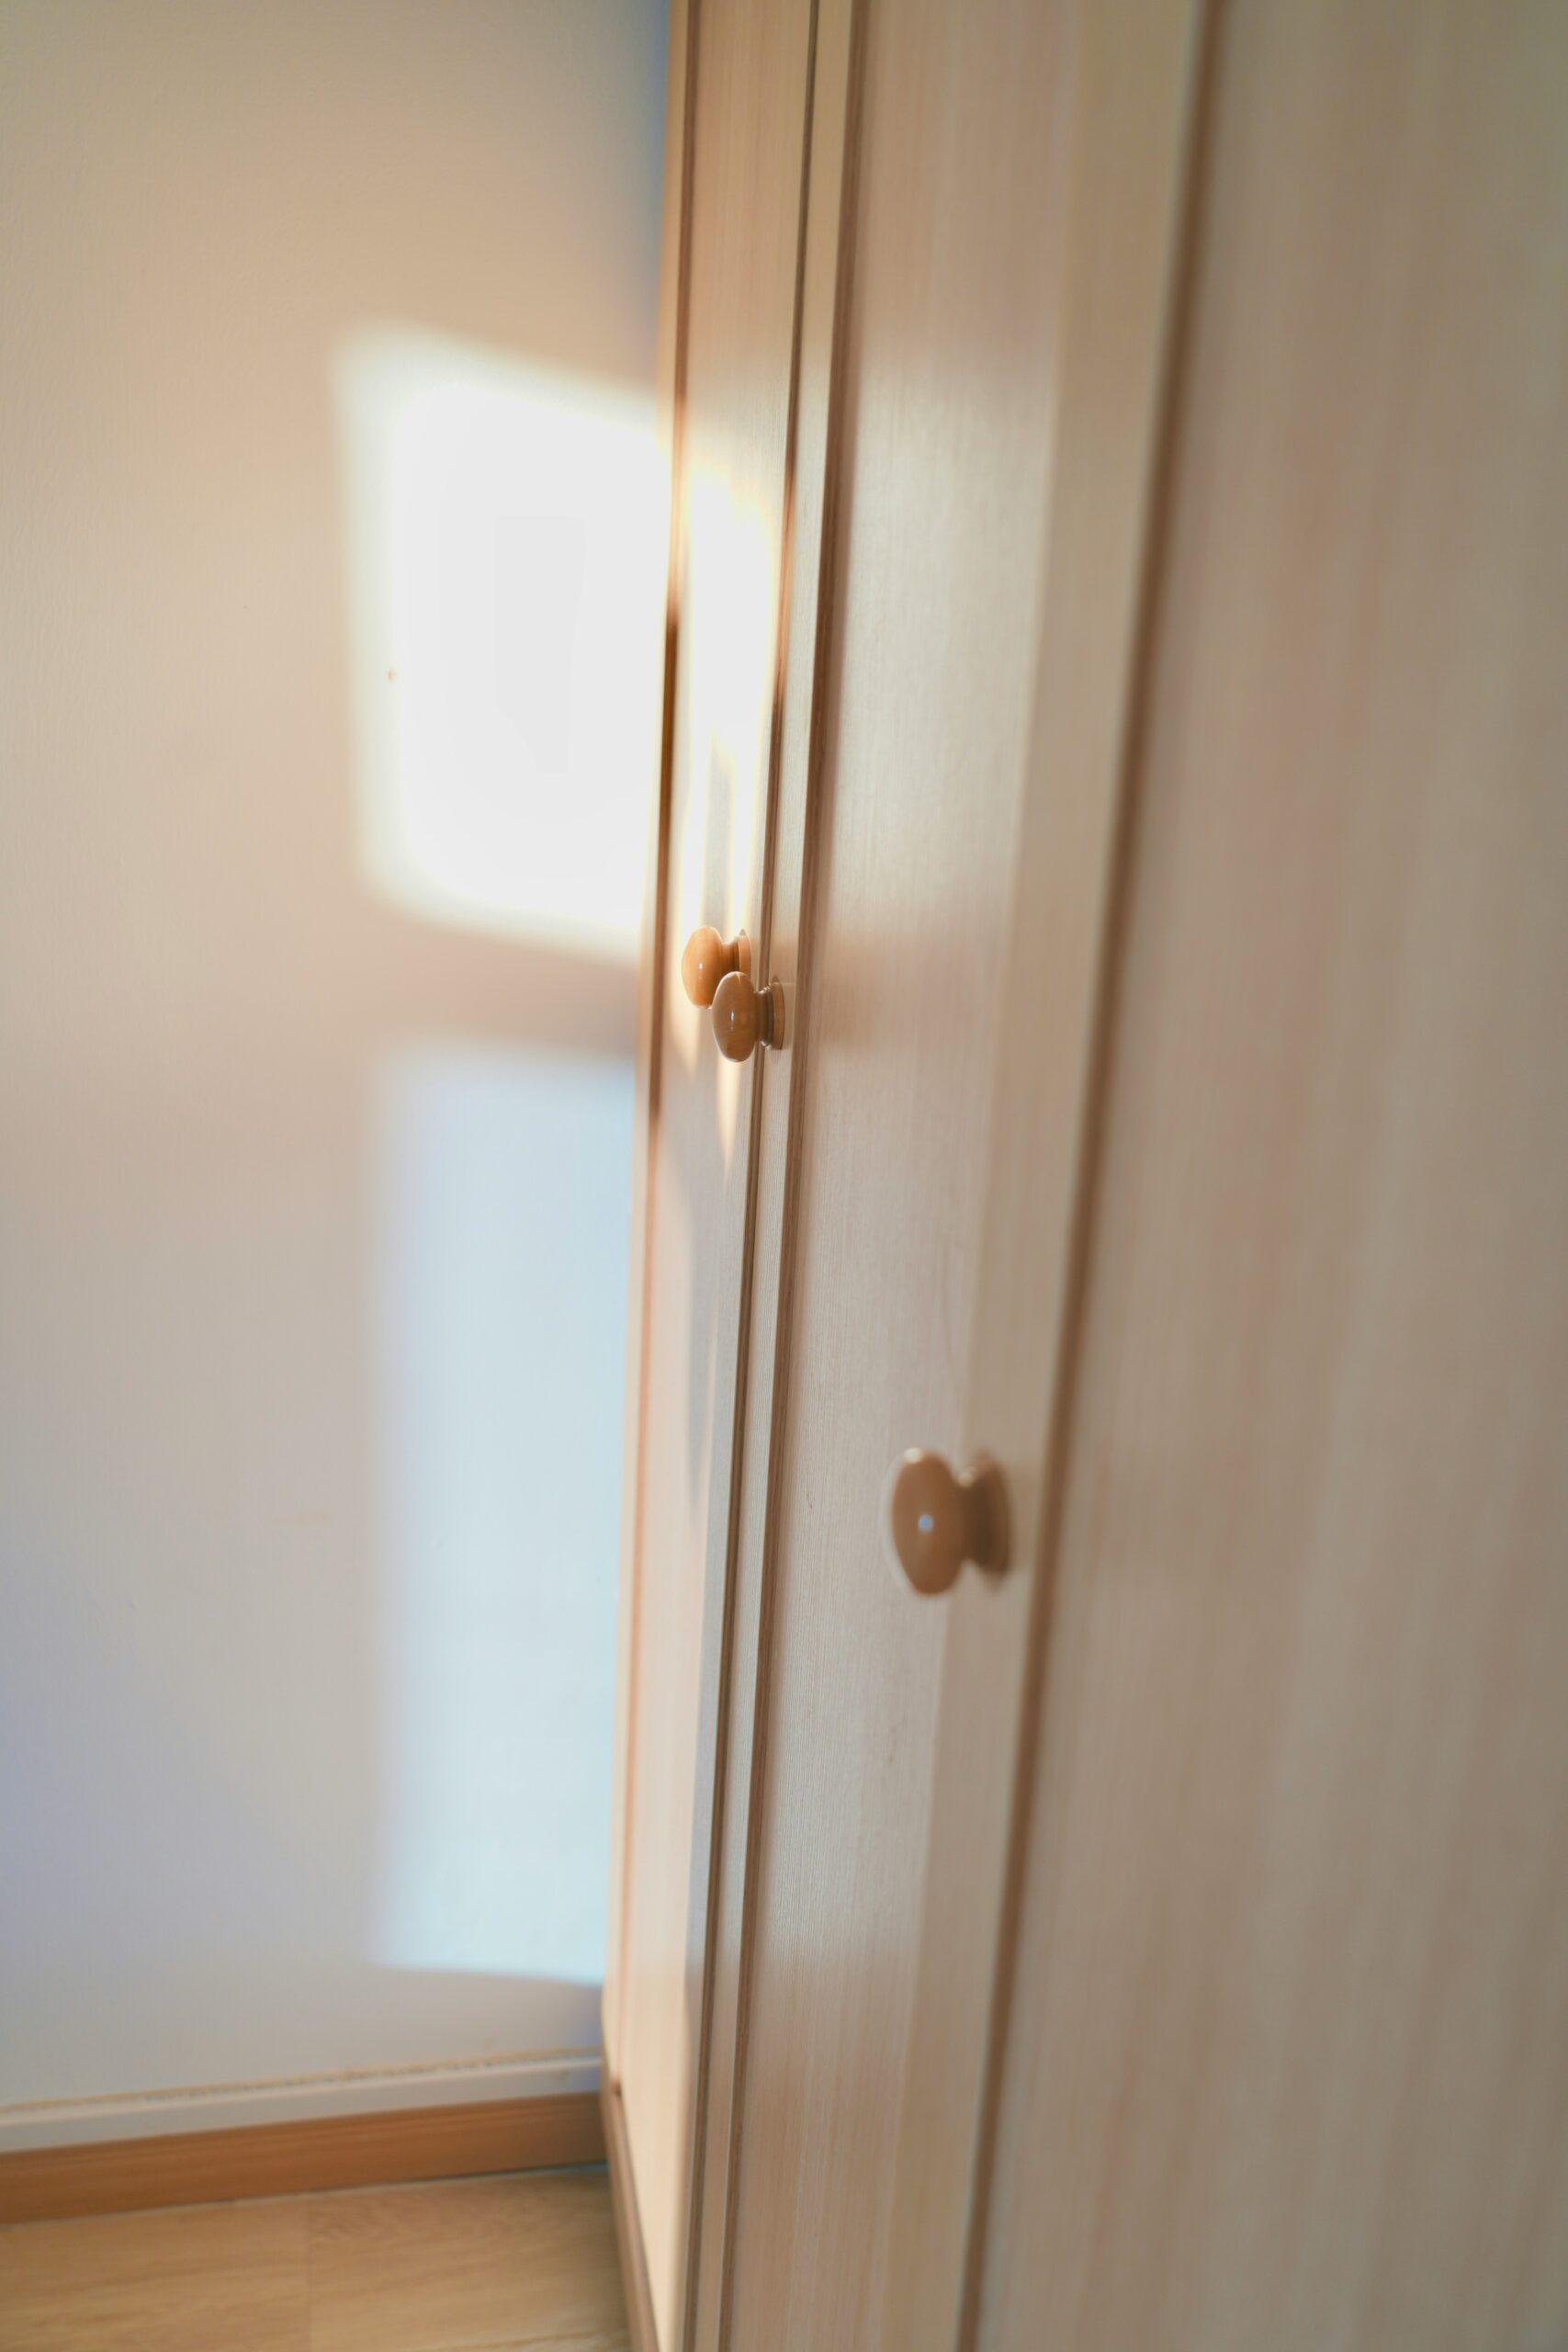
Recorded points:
488,2263
503,2265
1288,2053
1127,79
233,2275
1164,1943
745,134
954,371
802,722
801,717
319,2152
638,2296
680,90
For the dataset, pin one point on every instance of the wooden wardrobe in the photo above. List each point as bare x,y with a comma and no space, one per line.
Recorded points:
1117,689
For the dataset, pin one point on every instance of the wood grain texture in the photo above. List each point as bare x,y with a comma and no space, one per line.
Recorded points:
320,2151
629,2227
746,133
801,716
1288,2053
481,2263
953,361
235,2276
504,2265
669,364
1125,74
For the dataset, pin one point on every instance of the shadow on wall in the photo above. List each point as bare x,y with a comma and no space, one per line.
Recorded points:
317,914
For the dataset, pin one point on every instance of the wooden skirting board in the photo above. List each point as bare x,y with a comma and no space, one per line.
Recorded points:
628,2228
317,2152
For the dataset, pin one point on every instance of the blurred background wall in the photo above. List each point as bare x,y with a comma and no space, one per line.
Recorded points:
327,535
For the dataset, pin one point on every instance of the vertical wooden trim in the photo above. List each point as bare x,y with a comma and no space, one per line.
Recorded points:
681,89
628,2228
795,20
801,735
1186,187
788,521
714,1826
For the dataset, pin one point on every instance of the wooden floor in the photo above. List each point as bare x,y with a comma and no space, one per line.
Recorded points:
490,2265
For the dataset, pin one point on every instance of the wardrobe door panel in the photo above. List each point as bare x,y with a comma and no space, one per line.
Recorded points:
808,630
735,295
929,1247
1289,2054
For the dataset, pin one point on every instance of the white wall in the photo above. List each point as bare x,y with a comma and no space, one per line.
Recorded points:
312,1183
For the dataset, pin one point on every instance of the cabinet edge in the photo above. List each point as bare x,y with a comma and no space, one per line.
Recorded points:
628,2228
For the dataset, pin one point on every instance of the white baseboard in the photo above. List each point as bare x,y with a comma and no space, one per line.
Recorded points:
70,2122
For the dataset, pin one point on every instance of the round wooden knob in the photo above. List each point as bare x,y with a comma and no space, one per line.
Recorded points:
936,1521
706,958
745,1017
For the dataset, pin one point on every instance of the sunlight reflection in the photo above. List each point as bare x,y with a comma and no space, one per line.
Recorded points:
503,1213
727,657
506,540
728,650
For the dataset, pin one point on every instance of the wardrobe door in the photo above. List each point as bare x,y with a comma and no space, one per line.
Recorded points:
963,829
739,114
1288,2053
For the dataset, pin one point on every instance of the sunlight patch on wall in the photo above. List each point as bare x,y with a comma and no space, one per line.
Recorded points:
503,1210
506,534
